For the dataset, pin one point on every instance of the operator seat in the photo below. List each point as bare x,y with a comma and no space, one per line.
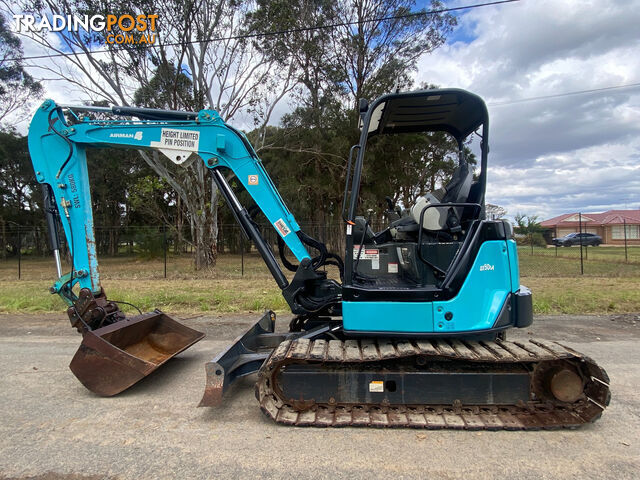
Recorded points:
445,218
437,219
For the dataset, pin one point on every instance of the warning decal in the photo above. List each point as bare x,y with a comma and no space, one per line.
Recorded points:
376,386
252,180
177,144
176,139
366,254
282,227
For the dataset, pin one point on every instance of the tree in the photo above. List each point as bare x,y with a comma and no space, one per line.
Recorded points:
201,41
380,50
495,212
19,193
17,88
530,227
374,49
526,224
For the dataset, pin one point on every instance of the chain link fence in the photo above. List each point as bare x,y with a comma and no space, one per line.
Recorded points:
159,251
156,251
575,261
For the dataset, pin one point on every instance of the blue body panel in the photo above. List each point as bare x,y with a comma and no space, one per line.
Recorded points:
514,267
476,307
218,146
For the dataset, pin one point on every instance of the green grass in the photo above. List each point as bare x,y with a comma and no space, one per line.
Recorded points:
597,262
556,284
588,295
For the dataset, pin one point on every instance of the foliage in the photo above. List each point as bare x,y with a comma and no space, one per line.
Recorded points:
322,71
495,212
528,230
334,68
17,87
526,224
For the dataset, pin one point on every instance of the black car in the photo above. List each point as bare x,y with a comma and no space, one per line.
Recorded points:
574,239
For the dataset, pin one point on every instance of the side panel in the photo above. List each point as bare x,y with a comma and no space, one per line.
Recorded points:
476,307
514,266
387,316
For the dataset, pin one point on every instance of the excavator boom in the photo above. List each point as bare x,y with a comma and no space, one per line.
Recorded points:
117,351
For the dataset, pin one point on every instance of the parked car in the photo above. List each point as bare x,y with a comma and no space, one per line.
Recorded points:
574,239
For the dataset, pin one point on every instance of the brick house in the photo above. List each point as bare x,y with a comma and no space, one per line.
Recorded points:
609,225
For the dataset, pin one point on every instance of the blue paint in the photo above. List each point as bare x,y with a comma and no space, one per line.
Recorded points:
476,307
219,146
387,316
514,266
48,152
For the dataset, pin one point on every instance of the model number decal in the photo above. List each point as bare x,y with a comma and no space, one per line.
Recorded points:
486,267
282,227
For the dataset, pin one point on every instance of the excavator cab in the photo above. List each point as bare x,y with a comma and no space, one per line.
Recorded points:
441,269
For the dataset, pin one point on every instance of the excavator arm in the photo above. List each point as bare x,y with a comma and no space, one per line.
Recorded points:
59,137
58,153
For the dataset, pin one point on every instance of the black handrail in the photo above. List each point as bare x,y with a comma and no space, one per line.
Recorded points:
346,183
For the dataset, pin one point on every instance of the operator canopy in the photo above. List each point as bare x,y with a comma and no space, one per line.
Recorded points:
455,111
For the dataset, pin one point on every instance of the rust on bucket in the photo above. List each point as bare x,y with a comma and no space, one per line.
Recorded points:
113,358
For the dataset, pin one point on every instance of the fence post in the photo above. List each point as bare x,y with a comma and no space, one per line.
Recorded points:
580,236
624,227
19,253
531,242
164,245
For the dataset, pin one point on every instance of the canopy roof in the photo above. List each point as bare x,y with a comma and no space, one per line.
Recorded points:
452,110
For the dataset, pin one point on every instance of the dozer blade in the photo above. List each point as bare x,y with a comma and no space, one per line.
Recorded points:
113,358
245,356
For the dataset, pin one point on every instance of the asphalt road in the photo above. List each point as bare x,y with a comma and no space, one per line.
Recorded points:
52,428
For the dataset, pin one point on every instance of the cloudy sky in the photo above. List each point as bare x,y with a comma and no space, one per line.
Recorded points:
554,155
578,152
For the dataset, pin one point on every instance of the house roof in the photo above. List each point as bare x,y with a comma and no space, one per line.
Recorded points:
611,217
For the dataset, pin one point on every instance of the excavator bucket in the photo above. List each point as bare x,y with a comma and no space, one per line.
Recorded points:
112,358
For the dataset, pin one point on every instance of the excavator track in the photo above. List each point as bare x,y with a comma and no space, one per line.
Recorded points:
550,371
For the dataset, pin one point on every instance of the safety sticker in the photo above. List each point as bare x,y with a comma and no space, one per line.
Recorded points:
253,180
176,139
392,267
282,227
376,386
177,144
366,254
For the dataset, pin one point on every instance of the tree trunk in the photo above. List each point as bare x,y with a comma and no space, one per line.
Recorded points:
3,242
199,194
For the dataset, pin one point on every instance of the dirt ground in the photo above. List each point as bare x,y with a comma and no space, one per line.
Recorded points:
52,428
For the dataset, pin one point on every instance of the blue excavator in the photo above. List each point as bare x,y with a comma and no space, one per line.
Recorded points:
412,333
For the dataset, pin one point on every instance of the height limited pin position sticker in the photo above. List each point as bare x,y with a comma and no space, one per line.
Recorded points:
253,180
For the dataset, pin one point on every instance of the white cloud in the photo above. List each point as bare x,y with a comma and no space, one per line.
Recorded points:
551,156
